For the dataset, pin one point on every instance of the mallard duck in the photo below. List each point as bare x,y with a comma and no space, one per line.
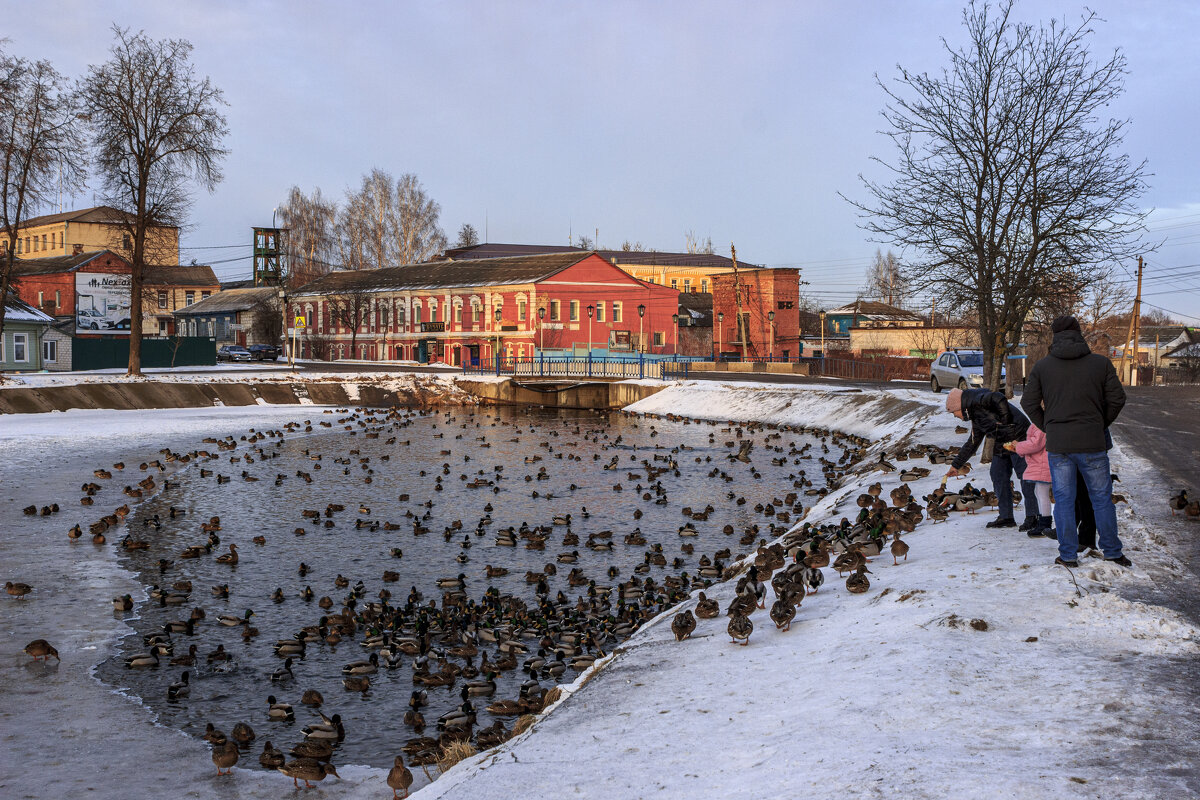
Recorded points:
188,660
416,720
683,625
40,648
307,769
242,733
142,660
312,698
231,557
899,548
178,691
214,736
740,627
123,603
783,611
230,621
1193,509
320,749
17,590
281,712
284,673
1179,502
225,757
858,582
329,728
368,667
813,578
271,758
707,608
399,778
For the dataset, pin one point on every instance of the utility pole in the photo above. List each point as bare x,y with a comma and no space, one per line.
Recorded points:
1131,340
737,300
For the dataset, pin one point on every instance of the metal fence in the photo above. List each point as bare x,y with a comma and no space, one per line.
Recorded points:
543,366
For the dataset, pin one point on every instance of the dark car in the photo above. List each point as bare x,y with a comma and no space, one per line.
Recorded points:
265,352
233,352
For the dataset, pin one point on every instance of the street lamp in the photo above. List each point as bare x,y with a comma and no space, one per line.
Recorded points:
822,316
720,333
641,313
498,314
771,321
591,310
675,320
541,328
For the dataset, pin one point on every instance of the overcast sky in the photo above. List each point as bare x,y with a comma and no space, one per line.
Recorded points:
641,119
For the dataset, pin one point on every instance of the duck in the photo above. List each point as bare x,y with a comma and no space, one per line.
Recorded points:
312,698
1179,502
329,728
307,770
1193,509
284,673
280,712
858,582
17,590
230,558
230,621
813,578
899,548
707,608
319,749
783,611
740,627
225,757
142,660
178,691
683,624
399,778
214,736
242,733
271,757
368,667
123,603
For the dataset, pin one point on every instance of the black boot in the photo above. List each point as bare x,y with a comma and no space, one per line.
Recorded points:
1046,528
1029,524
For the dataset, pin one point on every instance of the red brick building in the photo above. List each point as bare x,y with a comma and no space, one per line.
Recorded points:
467,311
762,293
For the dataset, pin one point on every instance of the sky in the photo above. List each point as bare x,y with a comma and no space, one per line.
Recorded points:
535,121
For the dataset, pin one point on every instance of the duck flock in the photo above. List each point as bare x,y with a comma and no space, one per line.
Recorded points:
275,613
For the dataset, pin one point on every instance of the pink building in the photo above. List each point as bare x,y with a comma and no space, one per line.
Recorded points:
456,312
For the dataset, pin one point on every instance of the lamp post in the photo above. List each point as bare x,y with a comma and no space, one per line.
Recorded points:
641,313
591,311
498,314
822,316
675,321
771,323
720,333
541,328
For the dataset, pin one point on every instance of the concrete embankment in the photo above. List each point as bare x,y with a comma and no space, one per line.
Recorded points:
409,391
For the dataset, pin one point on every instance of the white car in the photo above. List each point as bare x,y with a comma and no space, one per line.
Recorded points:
958,368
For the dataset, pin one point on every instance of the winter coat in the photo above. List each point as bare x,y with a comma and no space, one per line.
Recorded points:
1073,395
991,415
1033,450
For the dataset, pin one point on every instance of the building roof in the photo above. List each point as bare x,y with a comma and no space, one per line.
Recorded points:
95,214
17,310
870,309
170,275
446,274
629,257
53,264
698,307
226,302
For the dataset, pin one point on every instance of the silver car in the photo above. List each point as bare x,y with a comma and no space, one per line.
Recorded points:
958,368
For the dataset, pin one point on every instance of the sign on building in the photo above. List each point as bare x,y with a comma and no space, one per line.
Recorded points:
102,303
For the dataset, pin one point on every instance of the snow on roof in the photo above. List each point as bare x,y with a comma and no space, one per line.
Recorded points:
20,311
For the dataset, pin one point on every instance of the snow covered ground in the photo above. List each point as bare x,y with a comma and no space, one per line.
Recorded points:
976,669
1071,691
220,373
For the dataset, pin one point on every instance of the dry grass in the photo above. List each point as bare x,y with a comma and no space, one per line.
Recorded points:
454,753
524,723
552,696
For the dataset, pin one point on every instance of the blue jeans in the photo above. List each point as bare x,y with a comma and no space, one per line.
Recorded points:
1004,464
1097,477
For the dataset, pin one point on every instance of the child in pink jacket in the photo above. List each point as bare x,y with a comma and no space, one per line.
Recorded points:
1037,470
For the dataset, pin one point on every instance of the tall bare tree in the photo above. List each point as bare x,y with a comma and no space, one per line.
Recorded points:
1008,188
467,236
41,149
349,308
885,280
693,244
155,128
388,223
310,242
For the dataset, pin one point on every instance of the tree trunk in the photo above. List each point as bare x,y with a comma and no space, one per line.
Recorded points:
5,282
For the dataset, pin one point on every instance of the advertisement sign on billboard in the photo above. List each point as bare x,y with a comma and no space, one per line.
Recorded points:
102,303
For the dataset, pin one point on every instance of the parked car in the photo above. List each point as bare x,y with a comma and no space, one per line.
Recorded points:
233,352
265,352
958,368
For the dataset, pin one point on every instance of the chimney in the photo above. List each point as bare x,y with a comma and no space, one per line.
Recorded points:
76,249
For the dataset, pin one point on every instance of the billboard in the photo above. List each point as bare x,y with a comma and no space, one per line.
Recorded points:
102,302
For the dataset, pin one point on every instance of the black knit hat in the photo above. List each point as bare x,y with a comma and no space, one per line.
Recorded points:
1065,323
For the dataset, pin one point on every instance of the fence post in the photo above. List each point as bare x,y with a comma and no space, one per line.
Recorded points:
641,365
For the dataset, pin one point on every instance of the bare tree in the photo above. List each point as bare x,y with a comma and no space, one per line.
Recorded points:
1008,188
885,280
310,241
320,345
632,247
155,128
267,314
41,149
584,242
693,244
389,223
467,236
349,308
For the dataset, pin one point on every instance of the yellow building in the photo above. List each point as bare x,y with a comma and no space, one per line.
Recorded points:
90,230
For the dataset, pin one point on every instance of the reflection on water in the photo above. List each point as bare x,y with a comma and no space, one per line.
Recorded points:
462,475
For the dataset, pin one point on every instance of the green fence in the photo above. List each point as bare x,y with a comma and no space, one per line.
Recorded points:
174,351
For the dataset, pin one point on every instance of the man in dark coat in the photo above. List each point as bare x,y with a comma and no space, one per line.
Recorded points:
1074,396
993,416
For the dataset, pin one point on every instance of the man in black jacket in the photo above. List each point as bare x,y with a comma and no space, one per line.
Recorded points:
992,416
1074,396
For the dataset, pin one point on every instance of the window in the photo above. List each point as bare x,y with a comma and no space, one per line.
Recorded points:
522,311
555,310
476,312
50,351
458,314
20,348
308,318
58,299
687,284
416,315
704,285
35,244
660,338
41,300
574,311
44,241
162,299
674,283
189,298
53,239
126,242
19,248
616,311
600,311
205,294
400,315
27,250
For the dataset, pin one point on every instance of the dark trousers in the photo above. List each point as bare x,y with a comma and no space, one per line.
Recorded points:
1085,518
1004,466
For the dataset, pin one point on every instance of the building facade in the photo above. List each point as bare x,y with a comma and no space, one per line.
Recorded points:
459,312
90,230
22,343
169,289
230,317
768,301
868,314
